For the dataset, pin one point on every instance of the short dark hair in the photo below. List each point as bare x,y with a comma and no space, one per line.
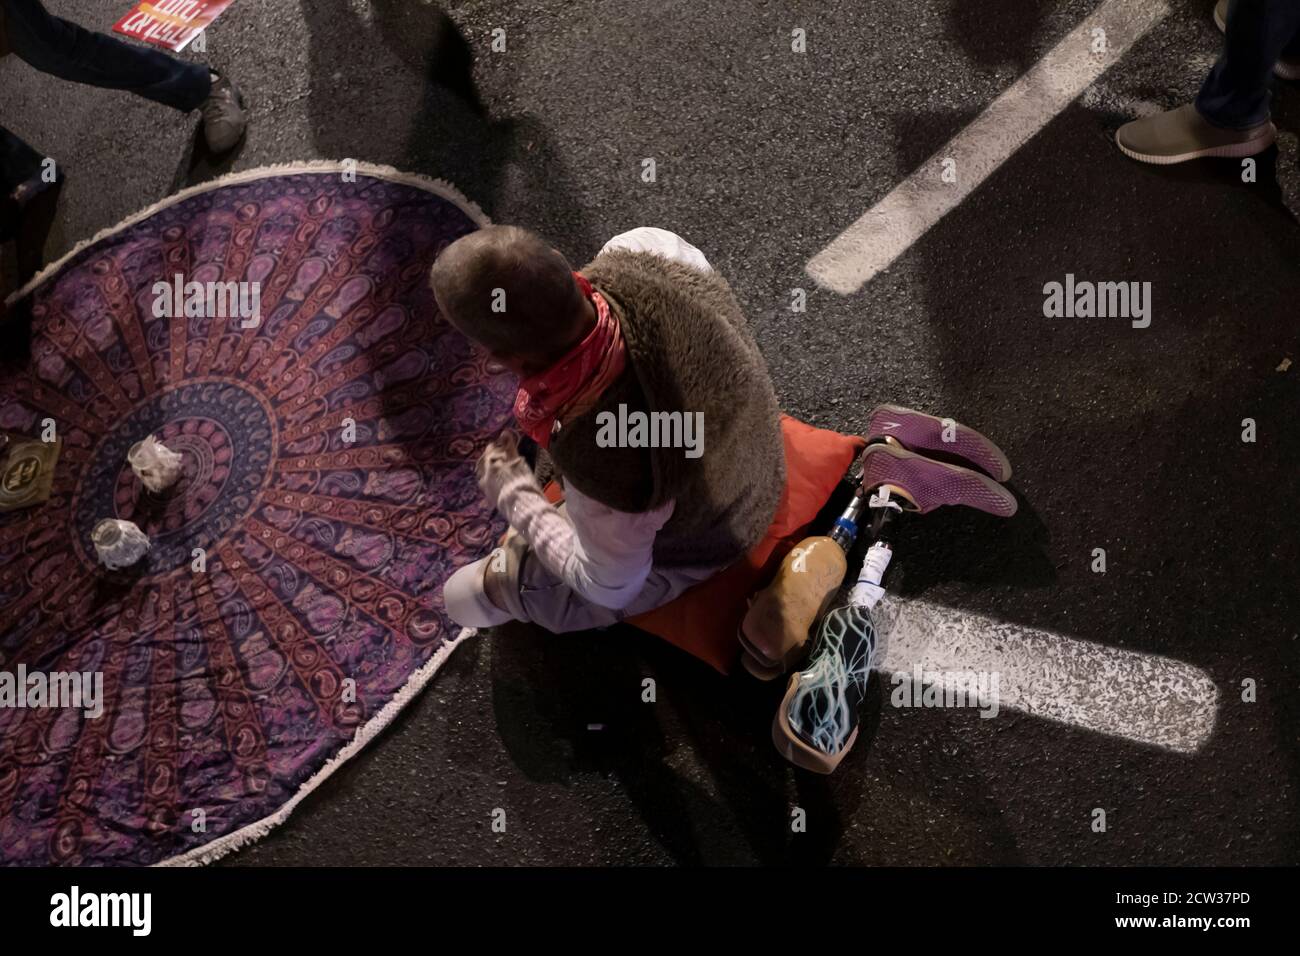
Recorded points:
509,289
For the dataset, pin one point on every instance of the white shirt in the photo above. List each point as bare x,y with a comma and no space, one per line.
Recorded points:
662,243
602,554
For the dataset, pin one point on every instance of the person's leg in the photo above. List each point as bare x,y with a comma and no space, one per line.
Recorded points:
1258,33
511,585
28,195
18,164
55,46
1230,117
1291,52
554,606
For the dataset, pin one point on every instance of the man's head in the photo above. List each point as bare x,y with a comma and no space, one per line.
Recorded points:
508,290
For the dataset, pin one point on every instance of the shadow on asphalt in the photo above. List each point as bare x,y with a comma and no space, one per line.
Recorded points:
450,136
986,39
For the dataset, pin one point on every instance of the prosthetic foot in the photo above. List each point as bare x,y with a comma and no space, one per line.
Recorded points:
775,630
817,721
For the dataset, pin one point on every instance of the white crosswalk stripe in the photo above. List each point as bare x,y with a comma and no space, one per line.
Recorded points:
1140,697
886,230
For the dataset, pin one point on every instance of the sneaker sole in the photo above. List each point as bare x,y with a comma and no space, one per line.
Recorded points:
929,484
1230,151
1286,71
921,432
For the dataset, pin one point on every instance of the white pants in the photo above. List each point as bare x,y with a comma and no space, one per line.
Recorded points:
534,594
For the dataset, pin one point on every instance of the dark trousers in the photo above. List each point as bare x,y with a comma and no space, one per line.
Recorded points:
70,52
1236,93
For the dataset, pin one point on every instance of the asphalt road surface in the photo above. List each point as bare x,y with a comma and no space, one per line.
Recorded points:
1126,439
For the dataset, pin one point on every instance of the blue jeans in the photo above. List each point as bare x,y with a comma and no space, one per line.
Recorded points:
1236,93
70,52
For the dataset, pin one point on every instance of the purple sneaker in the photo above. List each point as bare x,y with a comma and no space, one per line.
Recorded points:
928,484
925,433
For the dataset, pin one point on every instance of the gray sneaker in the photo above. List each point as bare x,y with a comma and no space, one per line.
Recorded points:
1182,134
1282,69
224,118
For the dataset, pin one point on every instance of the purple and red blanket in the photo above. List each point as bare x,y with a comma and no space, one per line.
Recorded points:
292,591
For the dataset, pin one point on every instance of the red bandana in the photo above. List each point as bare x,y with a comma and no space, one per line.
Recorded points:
573,384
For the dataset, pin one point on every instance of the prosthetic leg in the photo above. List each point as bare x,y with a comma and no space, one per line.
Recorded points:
817,721
776,626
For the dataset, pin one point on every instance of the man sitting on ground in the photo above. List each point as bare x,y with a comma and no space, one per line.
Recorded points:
646,334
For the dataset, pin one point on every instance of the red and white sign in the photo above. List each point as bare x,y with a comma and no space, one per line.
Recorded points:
171,24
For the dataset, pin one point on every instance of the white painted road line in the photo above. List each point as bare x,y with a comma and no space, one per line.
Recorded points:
1121,693
886,230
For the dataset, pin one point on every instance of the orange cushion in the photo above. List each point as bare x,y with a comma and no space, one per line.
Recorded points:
704,620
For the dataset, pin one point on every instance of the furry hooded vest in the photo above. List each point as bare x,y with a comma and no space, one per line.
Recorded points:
689,351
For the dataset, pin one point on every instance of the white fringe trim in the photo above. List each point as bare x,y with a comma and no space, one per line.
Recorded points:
417,681
438,187
369,730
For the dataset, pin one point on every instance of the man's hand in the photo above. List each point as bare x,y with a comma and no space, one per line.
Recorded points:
500,464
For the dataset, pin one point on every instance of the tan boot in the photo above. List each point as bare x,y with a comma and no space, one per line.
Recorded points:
1183,134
